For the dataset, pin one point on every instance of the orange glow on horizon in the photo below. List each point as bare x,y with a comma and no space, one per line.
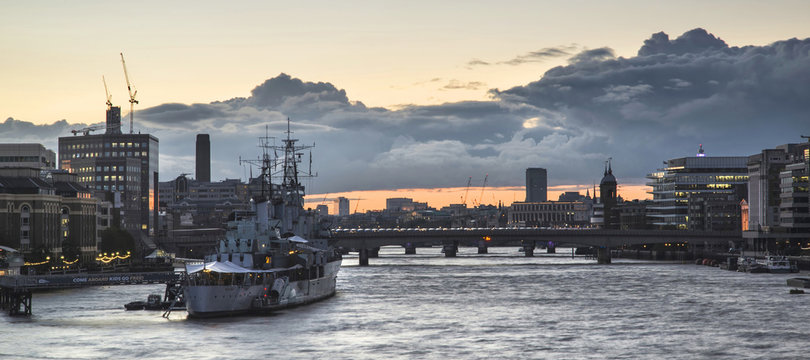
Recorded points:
366,200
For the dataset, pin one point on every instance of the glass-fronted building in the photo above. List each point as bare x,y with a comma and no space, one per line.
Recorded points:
704,179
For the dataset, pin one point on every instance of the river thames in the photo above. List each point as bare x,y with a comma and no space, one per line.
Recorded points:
425,306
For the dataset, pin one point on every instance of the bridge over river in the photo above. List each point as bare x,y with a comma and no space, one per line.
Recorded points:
367,241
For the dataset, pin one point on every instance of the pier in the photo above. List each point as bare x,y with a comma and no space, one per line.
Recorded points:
16,291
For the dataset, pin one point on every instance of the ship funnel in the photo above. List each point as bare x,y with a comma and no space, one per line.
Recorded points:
262,215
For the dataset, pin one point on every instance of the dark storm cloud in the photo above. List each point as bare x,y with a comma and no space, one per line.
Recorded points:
678,93
692,41
657,105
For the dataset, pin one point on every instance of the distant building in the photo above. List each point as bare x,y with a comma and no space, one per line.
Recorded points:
550,214
633,214
203,158
343,206
27,155
536,185
193,203
399,204
570,196
707,179
323,210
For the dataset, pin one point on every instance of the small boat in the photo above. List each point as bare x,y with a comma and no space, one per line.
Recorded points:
799,283
778,264
153,302
749,264
135,305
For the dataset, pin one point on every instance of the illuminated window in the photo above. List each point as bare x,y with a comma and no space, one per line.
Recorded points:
65,223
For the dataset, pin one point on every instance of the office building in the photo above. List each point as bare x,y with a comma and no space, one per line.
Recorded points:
536,185
203,158
27,155
116,162
764,187
343,206
778,209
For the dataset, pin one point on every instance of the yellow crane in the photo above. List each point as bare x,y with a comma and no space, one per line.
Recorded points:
109,97
481,197
132,100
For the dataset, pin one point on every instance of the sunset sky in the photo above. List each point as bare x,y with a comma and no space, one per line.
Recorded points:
419,95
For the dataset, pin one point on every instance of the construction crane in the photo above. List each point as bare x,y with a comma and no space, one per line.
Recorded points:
356,205
132,100
481,197
109,97
464,199
88,130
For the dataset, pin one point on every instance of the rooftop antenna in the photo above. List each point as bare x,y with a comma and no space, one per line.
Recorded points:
132,100
700,151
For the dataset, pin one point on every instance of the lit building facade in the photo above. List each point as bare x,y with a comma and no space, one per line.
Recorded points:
45,211
550,214
720,178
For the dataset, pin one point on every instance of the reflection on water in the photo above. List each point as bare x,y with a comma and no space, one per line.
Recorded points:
498,305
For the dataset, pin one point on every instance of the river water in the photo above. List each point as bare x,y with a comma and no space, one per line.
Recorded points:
425,306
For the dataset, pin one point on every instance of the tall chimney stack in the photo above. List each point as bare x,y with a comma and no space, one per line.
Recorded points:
203,158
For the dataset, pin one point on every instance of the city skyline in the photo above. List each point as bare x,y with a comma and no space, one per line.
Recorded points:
565,99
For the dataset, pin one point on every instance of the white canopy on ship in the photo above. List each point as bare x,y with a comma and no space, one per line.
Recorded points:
298,239
228,267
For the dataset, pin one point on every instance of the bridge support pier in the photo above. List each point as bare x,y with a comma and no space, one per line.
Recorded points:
18,302
363,255
450,249
551,248
374,252
482,247
528,248
603,255
410,249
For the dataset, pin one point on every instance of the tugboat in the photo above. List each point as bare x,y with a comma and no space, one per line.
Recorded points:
266,262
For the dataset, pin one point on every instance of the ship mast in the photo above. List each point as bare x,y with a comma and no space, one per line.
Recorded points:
283,167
